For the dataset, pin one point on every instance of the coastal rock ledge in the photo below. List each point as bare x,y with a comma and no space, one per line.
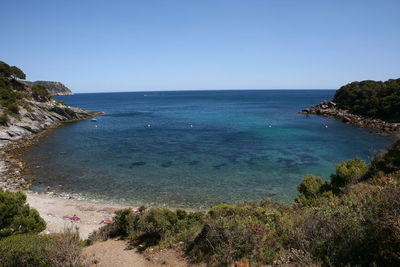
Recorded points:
330,109
23,130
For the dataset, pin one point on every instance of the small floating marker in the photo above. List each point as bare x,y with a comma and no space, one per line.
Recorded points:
191,125
326,126
269,126
148,125
96,126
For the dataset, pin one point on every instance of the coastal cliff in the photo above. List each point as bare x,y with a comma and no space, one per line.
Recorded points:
37,116
54,88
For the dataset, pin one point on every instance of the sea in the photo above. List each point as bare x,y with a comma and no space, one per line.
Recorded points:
196,149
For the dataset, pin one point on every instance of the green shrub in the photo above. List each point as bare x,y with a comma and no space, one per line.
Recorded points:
348,172
121,221
312,186
102,234
40,250
385,163
153,226
60,102
10,100
66,249
25,250
16,217
363,233
40,93
242,231
4,119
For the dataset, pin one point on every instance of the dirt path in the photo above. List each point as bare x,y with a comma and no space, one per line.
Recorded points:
115,253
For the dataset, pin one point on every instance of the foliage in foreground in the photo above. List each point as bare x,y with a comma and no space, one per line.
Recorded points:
20,241
352,219
16,217
41,250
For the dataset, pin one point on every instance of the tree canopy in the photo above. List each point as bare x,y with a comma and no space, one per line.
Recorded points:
16,217
7,71
17,73
374,99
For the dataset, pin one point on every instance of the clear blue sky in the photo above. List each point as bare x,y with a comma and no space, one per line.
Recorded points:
94,45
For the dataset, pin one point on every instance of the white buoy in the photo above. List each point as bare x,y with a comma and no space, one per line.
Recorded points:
269,126
191,125
148,125
326,126
96,126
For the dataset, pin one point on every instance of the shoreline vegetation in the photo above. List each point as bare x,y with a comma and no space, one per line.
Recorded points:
371,104
350,219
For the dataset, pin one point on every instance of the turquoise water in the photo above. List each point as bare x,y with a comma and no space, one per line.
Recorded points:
228,154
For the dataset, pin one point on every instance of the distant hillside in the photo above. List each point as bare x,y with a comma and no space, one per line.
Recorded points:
28,107
55,88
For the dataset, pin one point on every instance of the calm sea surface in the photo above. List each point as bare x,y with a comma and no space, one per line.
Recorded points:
203,147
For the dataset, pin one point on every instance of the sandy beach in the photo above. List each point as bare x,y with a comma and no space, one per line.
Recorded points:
53,208
108,253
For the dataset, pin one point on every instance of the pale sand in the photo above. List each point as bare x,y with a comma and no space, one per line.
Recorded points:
108,253
52,210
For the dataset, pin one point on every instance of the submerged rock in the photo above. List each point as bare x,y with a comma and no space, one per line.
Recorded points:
166,164
138,163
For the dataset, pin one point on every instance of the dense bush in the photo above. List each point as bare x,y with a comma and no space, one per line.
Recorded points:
311,190
40,93
9,99
314,191
25,250
348,172
16,217
361,230
385,163
371,98
40,250
251,231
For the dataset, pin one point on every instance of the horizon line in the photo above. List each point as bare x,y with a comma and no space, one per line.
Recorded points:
202,90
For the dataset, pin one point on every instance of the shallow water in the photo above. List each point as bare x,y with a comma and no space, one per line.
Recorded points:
203,147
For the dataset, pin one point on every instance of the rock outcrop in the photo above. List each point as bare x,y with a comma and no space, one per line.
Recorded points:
39,117
55,88
330,109
23,130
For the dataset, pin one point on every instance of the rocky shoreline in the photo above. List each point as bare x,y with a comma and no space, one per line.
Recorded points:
329,109
23,132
